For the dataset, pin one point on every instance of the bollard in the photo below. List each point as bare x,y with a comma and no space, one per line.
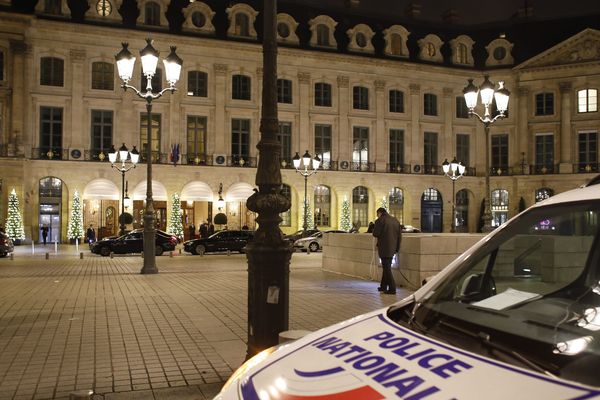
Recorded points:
55,247
179,251
12,256
47,256
32,247
308,250
170,254
81,395
111,254
142,254
228,252
81,256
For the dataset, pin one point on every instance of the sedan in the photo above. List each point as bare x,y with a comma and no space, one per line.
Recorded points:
133,242
6,245
221,241
300,234
314,242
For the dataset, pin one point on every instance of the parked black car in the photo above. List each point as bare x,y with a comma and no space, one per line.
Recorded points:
6,245
300,234
133,242
220,241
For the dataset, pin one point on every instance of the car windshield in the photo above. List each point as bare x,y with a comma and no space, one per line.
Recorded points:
529,296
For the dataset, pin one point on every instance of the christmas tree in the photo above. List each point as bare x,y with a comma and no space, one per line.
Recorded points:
175,224
14,223
75,227
345,223
384,204
310,224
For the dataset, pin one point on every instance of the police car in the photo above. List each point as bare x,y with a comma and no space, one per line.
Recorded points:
517,316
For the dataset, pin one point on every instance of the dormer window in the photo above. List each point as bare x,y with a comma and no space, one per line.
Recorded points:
395,41
198,18
499,53
152,14
462,46
241,21
286,29
103,10
52,7
360,38
430,48
55,7
322,28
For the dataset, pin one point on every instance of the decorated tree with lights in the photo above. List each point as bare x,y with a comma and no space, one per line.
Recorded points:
309,216
384,204
345,223
14,222
75,227
175,224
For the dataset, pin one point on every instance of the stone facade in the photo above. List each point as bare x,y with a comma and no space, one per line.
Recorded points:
562,70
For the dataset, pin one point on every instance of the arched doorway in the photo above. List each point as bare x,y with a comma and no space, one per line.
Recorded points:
360,207
431,211
396,204
50,190
196,203
101,207
159,197
238,214
322,201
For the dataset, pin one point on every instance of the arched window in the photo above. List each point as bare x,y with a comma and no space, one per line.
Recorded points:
242,24
396,204
431,211
360,206
396,44
499,207
462,211
461,53
152,13
322,35
286,216
322,206
543,194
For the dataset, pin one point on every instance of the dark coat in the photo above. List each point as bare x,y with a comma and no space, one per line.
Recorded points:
388,232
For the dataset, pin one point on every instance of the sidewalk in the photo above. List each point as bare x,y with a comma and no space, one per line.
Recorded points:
95,323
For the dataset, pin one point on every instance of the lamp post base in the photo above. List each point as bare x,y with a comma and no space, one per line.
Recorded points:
487,218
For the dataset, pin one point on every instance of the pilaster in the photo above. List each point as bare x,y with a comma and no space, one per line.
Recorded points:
414,146
566,135
16,131
221,74
344,151
302,141
522,133
77,138
447,145
378,141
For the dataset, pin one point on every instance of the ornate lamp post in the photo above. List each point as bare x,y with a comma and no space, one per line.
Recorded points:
125,63
488,94
302,167
123,156
453,170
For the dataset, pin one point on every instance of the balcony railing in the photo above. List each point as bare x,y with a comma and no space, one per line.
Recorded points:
398,168
47,153
197,159
238,161
543,169
429,169
500,171
362,166
586,168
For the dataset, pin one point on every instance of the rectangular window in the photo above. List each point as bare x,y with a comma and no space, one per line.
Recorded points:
285,138
197,84
587,100
51,121
463,149
322,94
396,150
500,153
240,87
284,91
360,98
396,99
430,104
430,145
156,81
588,151
544,104
102,131
323,144
51,71
360,146
240,139
196,139
103,76
52,7
155,132
461,108
544,151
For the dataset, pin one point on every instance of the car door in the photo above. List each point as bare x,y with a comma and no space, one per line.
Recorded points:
134,242
214,243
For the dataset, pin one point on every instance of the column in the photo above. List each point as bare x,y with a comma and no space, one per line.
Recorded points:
303,141
414,146
15,136
523,135
78,137
343,152
220,99
378,141
564,142
448,141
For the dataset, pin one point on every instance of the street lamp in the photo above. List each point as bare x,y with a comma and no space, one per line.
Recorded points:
453,170
125,63
302,167
123,155
488,94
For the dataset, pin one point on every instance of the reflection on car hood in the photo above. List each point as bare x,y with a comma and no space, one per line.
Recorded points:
371,357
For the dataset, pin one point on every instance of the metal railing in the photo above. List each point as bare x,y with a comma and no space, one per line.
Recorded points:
500,171
362,166
237,161
586,168
47,153
396,168
543,169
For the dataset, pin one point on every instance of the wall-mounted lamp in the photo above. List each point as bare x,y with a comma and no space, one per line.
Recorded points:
126,200
190,203
220,202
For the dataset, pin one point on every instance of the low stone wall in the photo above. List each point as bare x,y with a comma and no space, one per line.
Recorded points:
422,255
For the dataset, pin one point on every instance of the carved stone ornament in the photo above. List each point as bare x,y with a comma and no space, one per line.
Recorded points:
588,50
303,77
343,81
221,69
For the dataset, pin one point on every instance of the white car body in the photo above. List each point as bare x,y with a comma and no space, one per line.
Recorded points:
373,356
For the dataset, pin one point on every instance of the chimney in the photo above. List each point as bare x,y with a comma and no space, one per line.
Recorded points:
413,10
352,3
450,16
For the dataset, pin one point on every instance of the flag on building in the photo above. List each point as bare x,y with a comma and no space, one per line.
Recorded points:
174,157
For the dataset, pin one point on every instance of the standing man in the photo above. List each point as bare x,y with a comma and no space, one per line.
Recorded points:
44,233
204,230
388,232
90,234
211,228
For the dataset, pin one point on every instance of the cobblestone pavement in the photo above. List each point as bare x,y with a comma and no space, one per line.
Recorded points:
95,323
